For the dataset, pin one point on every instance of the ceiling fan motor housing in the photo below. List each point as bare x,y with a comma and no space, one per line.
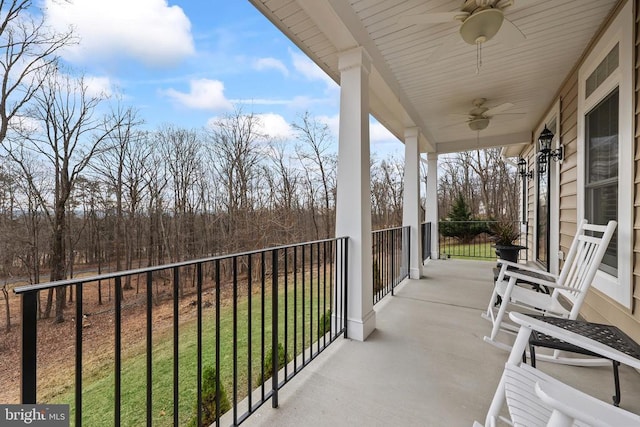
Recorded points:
481,26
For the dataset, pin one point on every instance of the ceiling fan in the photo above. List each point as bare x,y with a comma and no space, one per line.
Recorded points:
480,21
480,115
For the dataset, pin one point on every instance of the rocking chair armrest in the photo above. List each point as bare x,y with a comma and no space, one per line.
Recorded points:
531,278
524,267
582,407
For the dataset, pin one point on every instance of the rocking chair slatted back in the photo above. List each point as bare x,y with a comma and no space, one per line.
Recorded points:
582,263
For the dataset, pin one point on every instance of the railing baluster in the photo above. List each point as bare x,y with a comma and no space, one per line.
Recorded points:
304,303
249,335
394,260
318,261
274,330
311,302
149,348
79,319
117,401
286,312
345,286
295,309
262,320
176,349
324,294
29,347
235,339
217,361
199,343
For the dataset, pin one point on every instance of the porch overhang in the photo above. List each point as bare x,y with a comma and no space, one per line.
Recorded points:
409,88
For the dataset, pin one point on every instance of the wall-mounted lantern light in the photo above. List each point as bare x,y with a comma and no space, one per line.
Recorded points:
522,169
545,151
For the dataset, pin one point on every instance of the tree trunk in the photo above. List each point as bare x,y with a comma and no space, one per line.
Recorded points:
48,305
5,292
58,262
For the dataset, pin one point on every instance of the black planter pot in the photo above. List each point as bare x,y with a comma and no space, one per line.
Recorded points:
508,252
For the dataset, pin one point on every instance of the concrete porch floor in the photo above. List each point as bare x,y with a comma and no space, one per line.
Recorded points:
426,364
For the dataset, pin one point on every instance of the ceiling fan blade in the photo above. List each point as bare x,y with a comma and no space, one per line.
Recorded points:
450,125
507,116
509,34
432,18
498,109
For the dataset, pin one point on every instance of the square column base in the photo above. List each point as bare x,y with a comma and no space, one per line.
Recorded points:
358,329
414,273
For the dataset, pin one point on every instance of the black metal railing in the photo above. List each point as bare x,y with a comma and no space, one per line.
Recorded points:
253,315
425,232
473,239
390,260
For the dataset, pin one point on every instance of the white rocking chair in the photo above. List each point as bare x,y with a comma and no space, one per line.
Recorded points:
578,272
534,398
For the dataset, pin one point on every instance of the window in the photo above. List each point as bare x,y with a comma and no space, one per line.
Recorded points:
605,149
601,175
604,70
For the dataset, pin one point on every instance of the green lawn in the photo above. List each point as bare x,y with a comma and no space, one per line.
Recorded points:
482,251
98,392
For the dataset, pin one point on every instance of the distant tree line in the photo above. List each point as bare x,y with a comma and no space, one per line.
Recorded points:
80,190
482,181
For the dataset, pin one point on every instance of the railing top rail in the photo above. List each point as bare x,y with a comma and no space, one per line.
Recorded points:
390,229
114,274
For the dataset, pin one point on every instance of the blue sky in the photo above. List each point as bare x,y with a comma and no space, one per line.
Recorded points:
188,62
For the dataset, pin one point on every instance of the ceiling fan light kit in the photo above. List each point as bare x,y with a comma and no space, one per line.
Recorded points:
482,26
480,21
478,124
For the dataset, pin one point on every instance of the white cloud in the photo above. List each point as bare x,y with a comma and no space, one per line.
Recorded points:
270,64
98,86
332,122
271,125
274,126
297,103
150,31
25,125
204,94
261,101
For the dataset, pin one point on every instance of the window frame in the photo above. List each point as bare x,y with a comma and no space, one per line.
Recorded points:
620,31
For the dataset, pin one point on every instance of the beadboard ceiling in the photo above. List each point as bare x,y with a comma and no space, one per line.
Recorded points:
409,89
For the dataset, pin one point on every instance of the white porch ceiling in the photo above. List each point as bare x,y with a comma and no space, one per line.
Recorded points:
409,90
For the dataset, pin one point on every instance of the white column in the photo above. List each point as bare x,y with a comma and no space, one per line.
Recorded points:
353,200
431,210
411,199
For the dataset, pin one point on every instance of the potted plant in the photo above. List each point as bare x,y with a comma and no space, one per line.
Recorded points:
504,233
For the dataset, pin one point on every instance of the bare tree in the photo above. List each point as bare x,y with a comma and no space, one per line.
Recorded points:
485,181
235,157
120,167
28,55
283,180
386,192
320,167
68,137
